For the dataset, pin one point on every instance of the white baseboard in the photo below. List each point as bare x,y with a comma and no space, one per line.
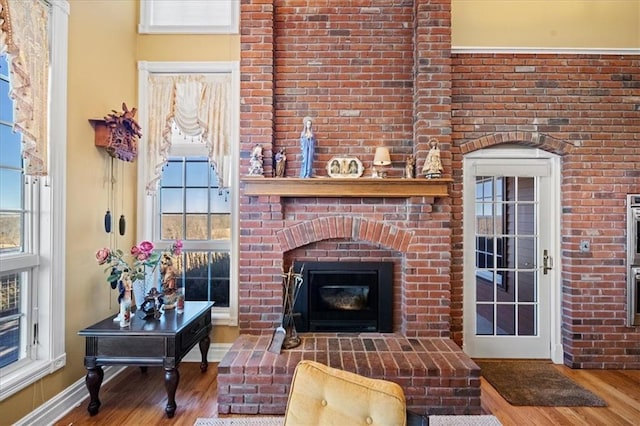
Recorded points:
65,401
61,404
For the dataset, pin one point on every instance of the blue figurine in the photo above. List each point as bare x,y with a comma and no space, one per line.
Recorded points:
308,146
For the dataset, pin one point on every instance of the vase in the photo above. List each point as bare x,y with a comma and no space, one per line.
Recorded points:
139,292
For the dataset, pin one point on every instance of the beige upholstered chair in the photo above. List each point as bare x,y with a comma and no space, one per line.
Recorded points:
321,395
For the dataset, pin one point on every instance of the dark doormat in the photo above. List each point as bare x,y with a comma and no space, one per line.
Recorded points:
536,383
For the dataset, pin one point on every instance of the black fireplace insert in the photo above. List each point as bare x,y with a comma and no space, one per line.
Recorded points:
345,297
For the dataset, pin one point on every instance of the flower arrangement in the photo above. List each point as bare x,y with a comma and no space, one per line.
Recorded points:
143,257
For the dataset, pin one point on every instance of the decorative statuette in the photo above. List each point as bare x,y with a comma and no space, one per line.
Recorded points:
308,147
255,162
169,275
433,166
125,301
281,161
409,167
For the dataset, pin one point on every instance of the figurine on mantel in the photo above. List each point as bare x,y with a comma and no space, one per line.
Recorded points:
281,161
409,167
433,165
255,162
308,146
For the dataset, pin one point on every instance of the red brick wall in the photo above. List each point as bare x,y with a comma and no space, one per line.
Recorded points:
350,66
587,109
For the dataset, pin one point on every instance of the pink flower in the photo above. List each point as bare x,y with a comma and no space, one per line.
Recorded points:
103,255
142,251
176,248
146,247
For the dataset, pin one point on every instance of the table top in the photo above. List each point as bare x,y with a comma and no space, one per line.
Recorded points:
169,323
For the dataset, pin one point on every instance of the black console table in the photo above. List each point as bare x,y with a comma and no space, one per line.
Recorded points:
152,342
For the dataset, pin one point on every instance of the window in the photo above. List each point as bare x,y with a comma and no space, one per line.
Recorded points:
189,203
193,208
32,234
189,16
18,262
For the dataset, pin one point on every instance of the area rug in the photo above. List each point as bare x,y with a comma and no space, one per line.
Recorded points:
277,421
536,383
240,421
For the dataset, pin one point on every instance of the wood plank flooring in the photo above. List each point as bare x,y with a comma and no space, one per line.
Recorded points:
136,398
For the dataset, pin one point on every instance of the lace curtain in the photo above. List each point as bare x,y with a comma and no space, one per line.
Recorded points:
24,38
198,106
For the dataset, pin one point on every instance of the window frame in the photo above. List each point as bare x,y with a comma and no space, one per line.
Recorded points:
147,218
49,277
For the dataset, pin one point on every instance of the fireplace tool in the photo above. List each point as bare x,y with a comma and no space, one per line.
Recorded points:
285,335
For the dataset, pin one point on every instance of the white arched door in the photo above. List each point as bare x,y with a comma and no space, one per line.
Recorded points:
511,229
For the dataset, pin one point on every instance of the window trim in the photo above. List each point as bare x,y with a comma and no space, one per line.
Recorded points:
50,352
146,219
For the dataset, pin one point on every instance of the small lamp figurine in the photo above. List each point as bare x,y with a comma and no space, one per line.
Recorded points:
381,161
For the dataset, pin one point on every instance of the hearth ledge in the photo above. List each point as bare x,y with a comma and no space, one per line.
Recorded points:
346,187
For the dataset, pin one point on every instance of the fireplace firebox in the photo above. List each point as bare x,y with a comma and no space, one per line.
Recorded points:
345,297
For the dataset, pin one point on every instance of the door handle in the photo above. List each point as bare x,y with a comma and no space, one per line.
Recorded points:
547,262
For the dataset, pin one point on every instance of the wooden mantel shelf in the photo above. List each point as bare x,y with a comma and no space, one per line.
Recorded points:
346,187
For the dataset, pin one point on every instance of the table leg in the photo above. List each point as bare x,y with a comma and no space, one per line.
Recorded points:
93,381
171,380
204,349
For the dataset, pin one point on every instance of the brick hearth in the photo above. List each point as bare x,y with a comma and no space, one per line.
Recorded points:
437,377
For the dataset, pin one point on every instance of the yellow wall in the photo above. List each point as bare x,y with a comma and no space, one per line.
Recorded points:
104,48
599,24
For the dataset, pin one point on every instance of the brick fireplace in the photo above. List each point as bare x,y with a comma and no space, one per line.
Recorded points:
369,73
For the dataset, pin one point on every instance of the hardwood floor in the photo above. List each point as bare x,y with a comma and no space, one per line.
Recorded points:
136,398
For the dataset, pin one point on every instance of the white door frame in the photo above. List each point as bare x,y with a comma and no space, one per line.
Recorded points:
505,153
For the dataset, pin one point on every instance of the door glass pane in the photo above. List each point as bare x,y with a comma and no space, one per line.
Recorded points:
526,186
505,288
484,319
526,252
526,320
484,219
526,287
524,220
484,289
506,320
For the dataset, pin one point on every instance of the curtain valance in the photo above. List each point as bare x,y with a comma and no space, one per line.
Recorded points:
197,104
24,39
